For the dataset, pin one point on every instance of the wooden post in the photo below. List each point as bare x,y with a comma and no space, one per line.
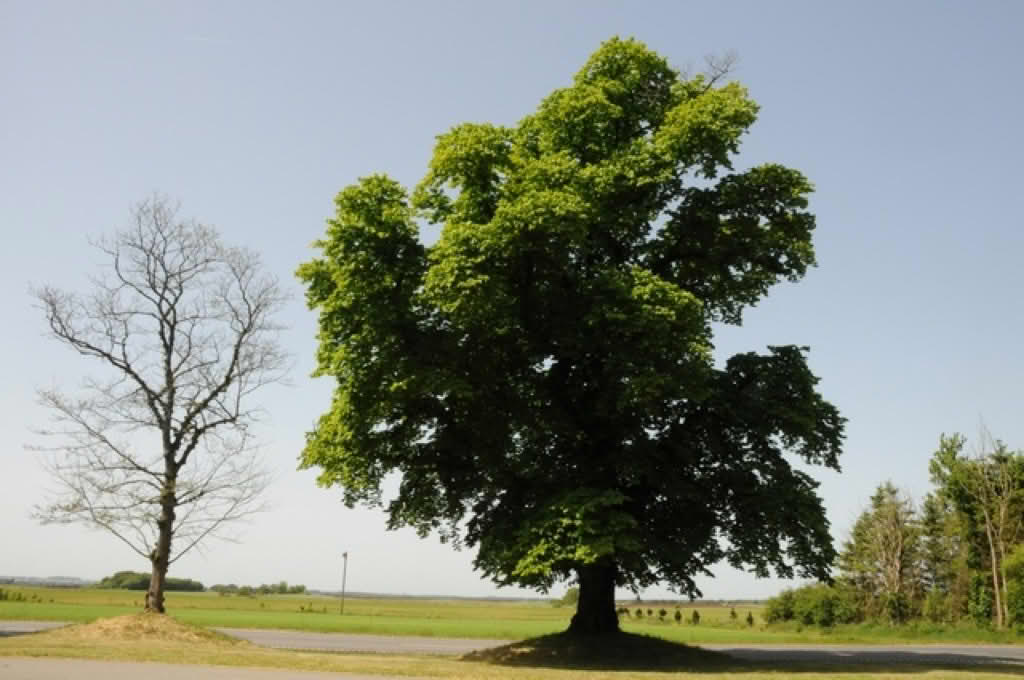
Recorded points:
344,575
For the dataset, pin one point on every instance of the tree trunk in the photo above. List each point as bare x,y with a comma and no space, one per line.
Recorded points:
161,555
595,611
995,572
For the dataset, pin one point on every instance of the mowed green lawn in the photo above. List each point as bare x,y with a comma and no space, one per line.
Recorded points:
505,620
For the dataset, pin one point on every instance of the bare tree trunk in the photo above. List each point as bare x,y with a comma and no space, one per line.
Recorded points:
595,611
995,571
161,555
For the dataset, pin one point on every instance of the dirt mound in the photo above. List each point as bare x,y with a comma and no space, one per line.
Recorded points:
145,626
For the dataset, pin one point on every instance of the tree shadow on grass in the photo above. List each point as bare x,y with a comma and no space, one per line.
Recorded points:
611,651
632,652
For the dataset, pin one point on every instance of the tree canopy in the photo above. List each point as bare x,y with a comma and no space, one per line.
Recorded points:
542,376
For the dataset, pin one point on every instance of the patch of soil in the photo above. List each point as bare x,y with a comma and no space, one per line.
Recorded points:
145,626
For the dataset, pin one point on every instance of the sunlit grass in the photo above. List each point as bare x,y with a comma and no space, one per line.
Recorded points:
150,638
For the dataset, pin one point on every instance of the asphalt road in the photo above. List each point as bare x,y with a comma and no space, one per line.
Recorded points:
931,655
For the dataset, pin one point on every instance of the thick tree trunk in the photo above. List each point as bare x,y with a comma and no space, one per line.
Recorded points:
595,611
161,555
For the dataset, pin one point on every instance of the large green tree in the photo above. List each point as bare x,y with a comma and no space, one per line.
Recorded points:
542,376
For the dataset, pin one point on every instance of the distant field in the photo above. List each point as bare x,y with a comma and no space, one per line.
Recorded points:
501,620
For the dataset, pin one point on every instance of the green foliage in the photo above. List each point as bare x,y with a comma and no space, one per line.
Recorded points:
639,613
980,601
882,558
780,607
11,596
732,613
750,619
695,617
936,607
542,377
1015,603
898,607
662,613
943,552
679,616
987,492
137,580
280,588
812,605
1014,568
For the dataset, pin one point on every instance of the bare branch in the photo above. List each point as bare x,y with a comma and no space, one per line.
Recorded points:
158,447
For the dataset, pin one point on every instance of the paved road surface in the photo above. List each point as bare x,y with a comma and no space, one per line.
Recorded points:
943,655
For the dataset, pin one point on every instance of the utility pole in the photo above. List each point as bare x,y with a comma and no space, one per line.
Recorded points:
344,575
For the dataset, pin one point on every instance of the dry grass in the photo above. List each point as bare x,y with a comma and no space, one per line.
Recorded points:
147,627
143,637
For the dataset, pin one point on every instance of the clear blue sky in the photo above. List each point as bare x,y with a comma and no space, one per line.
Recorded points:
906,115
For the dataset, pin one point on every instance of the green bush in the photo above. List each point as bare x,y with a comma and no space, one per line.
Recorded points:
979,600
1014,567
812,605
897,608
780,607
695,618
936,607
11,596
137,580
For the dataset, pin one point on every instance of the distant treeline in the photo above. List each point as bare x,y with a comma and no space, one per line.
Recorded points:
137,580
281,588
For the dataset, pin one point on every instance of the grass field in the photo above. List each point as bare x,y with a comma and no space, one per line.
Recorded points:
501,620
630,657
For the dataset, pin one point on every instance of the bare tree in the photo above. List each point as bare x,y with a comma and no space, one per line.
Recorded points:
988,489
994,481
716,68
157,449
